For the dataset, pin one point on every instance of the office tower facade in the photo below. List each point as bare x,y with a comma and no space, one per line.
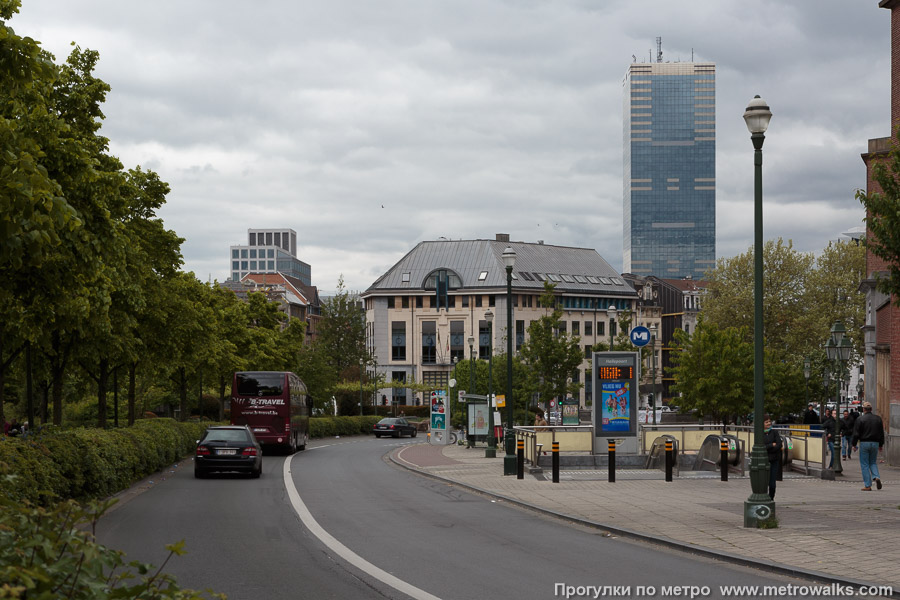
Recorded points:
670,169
269,251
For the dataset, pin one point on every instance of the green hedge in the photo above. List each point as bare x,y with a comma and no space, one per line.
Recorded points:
84,463
57,464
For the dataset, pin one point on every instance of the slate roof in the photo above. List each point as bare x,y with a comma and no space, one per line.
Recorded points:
469,258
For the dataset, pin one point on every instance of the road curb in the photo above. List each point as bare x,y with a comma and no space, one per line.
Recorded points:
665,542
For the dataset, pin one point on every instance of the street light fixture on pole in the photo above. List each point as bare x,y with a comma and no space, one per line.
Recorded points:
509,459
759,507
806,372
838,350
611,313
361,364
470,439
491,450
653,370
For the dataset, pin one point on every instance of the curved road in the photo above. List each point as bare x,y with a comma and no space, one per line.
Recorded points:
244,537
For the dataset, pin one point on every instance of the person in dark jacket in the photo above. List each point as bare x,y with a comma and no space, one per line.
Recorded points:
846,434
828,430
869,434
810,416
774,446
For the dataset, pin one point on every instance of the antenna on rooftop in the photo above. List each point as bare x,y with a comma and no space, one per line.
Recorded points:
659,49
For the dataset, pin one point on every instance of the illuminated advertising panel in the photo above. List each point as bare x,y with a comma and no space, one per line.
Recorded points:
616,394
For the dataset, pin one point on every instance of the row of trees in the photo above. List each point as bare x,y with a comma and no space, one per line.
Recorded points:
804,295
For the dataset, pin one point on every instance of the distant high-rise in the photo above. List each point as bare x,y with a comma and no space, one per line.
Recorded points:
670,169
269,251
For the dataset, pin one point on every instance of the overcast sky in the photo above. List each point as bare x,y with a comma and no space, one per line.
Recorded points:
370,125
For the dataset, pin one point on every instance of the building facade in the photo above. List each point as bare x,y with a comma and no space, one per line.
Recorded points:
670,169
421,313
295,298
269,251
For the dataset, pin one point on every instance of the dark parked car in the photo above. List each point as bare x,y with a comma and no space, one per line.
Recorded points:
394,427
228,448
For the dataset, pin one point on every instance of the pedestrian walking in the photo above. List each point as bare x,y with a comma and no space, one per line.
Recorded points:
774,447
846,426
829,428
868,433
810,416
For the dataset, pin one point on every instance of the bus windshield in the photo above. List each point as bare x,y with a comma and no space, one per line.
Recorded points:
260,384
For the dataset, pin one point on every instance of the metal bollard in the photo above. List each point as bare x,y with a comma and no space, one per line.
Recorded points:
724,460
520,459
555,462
670,450
612,461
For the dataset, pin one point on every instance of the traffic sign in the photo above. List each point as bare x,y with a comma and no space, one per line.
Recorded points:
640,336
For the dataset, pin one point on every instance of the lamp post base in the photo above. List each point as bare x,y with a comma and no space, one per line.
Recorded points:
490,453
759,512
509,464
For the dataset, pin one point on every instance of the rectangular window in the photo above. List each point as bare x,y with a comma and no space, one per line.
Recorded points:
477,301
398,340
457,340
235,253
285,241
491,300
268,238
390,302
404,302
235,276
418,301
588,328
600,328
252,252
429,342
575,328
244,265
398,394
235,264
270,253
252,265
484,339
277,238
243,253
451,301
562,327
271,265
435,379
252,239
465,301
587,351
520,334
515,301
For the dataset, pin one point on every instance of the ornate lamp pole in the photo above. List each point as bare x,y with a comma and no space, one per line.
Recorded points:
653,370
491,450
470,437
838,350
361,363
611,313
758,508
509,459
806,372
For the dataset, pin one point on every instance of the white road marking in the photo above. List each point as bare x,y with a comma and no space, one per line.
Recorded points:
342,550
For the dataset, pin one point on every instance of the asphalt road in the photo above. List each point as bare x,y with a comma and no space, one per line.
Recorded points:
244,537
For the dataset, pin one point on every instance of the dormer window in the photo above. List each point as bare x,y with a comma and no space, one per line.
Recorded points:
482,276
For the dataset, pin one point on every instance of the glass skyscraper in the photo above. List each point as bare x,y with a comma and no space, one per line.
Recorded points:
670,169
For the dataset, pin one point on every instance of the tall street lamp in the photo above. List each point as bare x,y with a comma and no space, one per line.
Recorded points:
611,313
653,370
470,438
491,450
806,372
509,459
361,364
758,508
838,349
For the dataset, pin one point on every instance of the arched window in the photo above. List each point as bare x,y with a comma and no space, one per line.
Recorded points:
442,281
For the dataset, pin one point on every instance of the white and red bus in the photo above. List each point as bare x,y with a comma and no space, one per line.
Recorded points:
274,405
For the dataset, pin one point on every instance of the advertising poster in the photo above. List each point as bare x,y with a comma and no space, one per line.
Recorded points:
570,412
478,419
616,406
438,410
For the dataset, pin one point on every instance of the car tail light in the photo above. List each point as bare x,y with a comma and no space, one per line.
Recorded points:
251,451
202,451
287,425
392,426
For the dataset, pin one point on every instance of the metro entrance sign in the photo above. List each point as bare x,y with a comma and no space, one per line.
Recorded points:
640,336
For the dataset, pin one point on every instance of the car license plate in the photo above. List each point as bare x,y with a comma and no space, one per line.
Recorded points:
259,430
226,452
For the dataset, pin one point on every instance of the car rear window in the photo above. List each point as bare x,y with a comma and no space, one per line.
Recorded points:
388,421
226,435
260,384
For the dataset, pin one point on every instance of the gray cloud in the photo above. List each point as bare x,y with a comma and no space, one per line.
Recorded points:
465,119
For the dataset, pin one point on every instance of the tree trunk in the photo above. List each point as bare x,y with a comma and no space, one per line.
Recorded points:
45,402
223,383
29,389
57,367
182,389
102,381
132,375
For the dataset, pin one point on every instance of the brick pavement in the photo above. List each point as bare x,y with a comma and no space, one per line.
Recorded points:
828,530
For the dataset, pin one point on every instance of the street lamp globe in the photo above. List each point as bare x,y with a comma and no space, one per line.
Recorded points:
509,258
838,331
757,115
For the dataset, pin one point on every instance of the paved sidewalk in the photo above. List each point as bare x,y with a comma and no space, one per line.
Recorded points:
828,529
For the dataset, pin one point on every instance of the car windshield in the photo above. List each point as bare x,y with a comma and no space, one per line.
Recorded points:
260,384
226,435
